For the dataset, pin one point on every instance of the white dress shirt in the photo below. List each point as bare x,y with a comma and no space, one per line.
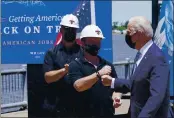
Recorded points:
143,51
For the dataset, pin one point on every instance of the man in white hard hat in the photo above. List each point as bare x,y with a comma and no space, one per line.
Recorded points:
93,98
56,64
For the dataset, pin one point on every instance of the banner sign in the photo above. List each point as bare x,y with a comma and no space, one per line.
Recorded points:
30,28
164,36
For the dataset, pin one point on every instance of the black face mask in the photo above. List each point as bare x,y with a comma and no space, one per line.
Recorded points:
91,49
129,42
69,34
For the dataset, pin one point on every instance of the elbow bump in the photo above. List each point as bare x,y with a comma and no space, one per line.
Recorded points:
46,78
77,87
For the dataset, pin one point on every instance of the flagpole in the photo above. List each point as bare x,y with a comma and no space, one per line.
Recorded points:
155,13
92,4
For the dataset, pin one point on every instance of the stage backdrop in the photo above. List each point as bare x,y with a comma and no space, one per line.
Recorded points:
29,28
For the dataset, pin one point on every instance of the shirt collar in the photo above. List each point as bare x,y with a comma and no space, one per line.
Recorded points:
62,47
145,48
102,61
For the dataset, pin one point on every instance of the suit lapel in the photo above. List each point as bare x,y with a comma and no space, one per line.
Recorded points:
142,63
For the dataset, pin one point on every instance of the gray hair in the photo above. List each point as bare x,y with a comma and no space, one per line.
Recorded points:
140,23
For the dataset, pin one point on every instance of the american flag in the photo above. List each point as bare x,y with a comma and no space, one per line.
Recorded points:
83,13
58,39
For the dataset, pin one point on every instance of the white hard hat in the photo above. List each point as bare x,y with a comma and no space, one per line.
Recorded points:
70,20
91,31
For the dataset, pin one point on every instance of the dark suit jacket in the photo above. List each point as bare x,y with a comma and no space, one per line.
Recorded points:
149,86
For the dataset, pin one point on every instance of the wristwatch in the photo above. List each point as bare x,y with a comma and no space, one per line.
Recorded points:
98,75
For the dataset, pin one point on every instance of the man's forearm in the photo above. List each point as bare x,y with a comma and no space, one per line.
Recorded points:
120,85
85,83
55,75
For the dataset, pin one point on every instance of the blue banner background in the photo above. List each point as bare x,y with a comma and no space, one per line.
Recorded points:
34,53
164,36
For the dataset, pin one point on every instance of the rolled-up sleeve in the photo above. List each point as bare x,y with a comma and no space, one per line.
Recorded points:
48,64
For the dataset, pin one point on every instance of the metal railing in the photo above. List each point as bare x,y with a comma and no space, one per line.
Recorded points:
124,68
13,90
14,86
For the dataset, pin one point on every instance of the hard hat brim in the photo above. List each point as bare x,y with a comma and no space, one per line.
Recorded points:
93,37
73,26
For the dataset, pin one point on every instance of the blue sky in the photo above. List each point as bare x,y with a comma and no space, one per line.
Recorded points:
123,10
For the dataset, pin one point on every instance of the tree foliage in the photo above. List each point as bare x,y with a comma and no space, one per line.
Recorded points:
121,27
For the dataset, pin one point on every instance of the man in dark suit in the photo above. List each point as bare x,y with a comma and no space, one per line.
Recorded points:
149,82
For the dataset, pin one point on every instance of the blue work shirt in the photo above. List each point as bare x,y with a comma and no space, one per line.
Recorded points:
58,93
96,101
